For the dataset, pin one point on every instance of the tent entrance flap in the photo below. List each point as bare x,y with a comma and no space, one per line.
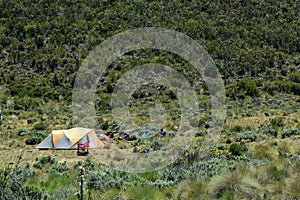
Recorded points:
56,135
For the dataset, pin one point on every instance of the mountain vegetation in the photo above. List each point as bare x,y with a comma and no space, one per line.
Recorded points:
256,47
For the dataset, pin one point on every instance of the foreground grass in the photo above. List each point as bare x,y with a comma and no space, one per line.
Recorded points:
251,159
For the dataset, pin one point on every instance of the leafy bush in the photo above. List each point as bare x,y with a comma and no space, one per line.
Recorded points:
31,120
35,137
236,149
58,167
268,130
87,164
202,169
289,155
248,136
22,174
295,76
22,132
40,126
40,162
63,193
32,192
11,186
33,140
236,128
102,180
170,94
154,145
289,132
277,122
201,133
295,88
249,87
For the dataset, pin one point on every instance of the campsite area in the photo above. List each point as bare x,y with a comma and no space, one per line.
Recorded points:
155,145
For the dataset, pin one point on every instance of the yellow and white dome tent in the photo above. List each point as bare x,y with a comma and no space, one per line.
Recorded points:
70,139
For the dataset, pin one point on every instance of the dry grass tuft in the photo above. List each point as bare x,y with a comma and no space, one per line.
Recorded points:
191,189
263,151
239,182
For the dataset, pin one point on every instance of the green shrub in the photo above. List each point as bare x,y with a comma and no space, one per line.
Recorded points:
236,149
249,87
87,164
277,122
156,144
40,126
22,132
277,86
170,94
268,130
33,141
46,159
40,110
40,162
11,184
107,178
58,167
201,133
31,120
288,155
22,174
249,135
236,128
35,137
20,90
104,125
295,88
295,76
289,132
32,192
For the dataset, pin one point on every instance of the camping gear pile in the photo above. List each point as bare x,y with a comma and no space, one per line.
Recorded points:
122,135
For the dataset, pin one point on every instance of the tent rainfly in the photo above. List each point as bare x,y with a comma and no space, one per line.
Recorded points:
71,139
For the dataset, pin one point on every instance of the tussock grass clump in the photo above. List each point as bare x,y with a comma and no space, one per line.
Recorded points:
239,182
191,189
263,151
284,146
274,173
294,188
